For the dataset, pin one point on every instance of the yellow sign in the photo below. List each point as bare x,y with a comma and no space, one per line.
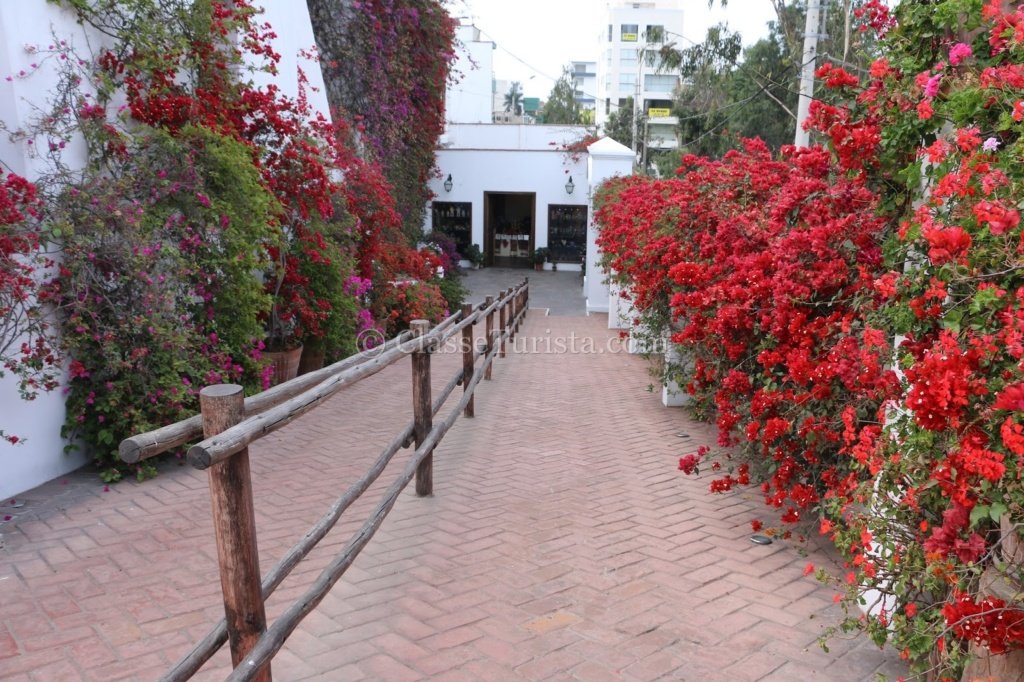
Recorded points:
629,37
659,113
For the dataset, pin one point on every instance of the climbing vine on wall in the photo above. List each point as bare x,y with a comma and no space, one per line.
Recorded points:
386,67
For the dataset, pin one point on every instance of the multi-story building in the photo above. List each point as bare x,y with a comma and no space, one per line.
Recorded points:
584,83
628,66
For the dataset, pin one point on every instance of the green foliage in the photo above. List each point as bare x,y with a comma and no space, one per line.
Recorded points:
452,289
619,125
562,106
731,93
723,99
404,302
474,255
514,98
326,273
157,284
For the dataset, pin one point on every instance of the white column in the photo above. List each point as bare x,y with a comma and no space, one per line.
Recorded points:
809,65
672,394
606,158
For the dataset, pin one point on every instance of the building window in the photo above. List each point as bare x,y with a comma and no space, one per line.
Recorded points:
607,106
660,83
454,219
622,102
627,81
567,233
629,33
609,33
655,33
627,57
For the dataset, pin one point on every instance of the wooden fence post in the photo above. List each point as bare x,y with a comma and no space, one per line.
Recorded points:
467,356
489,335
525,293
512,324
234,525
422,410
519,309
502,322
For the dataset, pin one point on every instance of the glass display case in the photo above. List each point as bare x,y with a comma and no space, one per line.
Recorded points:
567,233
455,219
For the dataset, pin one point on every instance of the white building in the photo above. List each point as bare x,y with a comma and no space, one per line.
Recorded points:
469,99
511,189
507,187
584,83
628,66
500,88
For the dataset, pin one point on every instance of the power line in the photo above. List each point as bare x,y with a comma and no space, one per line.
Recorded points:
731,116
766,82
742,65
515,56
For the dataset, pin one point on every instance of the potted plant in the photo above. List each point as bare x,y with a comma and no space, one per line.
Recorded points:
282,346
283,350
539,256
474,255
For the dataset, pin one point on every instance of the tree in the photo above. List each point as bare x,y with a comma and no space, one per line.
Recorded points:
562,106
724,97
704,100
619,126
514,98
762,89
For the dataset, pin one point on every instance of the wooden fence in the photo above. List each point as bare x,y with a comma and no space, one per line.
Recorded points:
229,423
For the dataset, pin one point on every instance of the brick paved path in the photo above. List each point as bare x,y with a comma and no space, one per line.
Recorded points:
560,544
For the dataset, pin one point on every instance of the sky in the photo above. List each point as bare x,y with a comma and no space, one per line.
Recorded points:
536,38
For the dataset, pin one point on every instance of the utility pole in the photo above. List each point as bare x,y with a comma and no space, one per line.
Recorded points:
810,60
636,100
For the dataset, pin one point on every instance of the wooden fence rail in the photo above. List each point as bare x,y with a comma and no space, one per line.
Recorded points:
229,424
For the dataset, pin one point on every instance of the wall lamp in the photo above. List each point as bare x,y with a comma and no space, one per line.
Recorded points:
569,186
448,183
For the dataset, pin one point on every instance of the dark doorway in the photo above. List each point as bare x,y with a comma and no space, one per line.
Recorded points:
509,228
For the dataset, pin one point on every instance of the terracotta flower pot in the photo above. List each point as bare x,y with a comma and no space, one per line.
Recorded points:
285,364
312,358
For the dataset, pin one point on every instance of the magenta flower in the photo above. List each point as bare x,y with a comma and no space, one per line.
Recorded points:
931,88
959,52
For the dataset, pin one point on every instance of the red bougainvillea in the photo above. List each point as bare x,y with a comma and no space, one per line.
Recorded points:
852,316
26,346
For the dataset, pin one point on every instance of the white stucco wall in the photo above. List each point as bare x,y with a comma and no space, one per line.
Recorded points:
290,21
24,28
469,98
606,159
29,24
510,158
544,138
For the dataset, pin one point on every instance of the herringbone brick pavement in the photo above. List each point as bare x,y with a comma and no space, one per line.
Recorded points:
561,543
